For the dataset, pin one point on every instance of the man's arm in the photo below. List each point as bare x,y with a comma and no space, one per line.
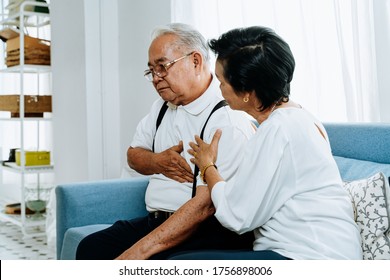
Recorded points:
174,230
169,163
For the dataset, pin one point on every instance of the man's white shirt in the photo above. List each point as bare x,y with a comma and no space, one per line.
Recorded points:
182,124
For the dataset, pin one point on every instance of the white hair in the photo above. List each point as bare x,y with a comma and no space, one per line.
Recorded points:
188,37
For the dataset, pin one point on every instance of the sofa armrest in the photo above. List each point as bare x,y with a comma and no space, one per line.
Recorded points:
100,202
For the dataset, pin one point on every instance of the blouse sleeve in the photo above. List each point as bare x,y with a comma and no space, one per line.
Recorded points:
253,195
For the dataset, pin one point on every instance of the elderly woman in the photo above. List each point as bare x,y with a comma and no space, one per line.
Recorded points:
288,189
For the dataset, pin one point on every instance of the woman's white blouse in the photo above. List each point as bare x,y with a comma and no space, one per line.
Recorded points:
289,191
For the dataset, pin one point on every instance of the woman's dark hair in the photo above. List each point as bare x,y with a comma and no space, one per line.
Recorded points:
256,59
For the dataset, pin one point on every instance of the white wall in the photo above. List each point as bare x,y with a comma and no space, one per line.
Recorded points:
137,20
99,52
69,90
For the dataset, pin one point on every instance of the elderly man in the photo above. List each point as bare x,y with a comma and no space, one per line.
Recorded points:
189,103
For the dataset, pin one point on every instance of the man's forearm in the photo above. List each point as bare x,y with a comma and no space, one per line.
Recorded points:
170,163
176,229
141,160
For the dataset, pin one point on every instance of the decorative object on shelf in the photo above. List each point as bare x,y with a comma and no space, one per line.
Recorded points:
37,197
11,157
13,7
16,209
40,9
34,158
34,105
36,50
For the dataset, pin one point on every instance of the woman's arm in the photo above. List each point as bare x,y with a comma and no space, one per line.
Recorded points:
174,230
205,156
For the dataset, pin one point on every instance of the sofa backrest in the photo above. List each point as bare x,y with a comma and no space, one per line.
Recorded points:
360,149
363,141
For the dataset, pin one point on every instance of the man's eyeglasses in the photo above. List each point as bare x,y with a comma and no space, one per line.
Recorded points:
161,70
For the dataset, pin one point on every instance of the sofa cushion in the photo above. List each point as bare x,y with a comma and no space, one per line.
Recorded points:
73,236
354,169
371,201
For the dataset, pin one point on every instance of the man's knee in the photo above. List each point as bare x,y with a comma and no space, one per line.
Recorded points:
87,248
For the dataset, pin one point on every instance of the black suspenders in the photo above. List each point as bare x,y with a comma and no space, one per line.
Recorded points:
163,109
161,114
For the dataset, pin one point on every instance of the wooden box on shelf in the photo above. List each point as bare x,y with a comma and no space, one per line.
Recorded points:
36,50
34,105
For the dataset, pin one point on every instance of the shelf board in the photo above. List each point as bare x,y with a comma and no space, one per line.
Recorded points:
26,119
13,20
30,226
27,68
12,166
16,219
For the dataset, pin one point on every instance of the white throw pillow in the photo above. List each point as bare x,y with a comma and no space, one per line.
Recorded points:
370,198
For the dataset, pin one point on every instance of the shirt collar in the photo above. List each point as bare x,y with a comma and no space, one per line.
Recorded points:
202,102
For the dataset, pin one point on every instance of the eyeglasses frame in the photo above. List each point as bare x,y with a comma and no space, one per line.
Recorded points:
149,73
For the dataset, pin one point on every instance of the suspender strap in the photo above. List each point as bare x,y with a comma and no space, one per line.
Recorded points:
221,104
163,109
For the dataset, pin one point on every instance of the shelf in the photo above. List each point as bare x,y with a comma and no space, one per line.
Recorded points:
13,20
30,227
44,119
17,219
27,68
27,119
28,23
13,167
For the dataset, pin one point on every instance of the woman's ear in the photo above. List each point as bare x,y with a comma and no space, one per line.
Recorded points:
255,101
258,104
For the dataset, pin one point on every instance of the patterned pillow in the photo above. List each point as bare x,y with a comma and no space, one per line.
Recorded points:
371,198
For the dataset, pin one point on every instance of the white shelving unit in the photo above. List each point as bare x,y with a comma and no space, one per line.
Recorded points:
26,21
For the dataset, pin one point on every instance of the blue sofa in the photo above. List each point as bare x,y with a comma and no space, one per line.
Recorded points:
360,150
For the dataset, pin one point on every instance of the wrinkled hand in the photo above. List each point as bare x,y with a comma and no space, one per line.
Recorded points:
204,153
173,165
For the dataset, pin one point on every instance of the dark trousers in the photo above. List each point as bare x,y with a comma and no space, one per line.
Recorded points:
113,241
